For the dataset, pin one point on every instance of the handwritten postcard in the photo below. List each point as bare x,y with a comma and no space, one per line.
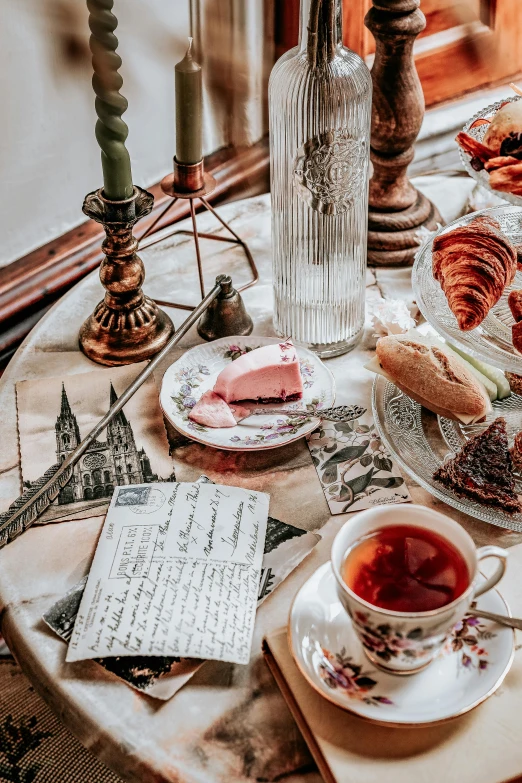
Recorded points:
354,467
176,573
161,677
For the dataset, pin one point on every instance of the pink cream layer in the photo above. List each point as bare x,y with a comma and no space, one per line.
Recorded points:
268,373
212,411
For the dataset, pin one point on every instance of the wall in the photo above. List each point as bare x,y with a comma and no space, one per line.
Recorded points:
49,158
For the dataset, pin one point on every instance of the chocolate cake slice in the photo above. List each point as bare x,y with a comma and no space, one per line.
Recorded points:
483,470
516,452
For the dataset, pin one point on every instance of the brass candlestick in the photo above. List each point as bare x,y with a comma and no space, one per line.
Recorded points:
190,181
126,326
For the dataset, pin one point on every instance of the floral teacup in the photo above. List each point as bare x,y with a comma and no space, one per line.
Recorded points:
406,642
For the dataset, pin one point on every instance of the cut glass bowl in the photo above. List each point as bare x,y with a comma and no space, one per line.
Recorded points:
478,132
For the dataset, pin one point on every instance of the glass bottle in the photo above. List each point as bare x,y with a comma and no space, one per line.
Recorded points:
320,110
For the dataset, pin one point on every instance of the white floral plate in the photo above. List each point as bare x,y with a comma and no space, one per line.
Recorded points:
477,656
195,373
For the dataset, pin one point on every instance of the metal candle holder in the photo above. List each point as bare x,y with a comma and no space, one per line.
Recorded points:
126,326
190,181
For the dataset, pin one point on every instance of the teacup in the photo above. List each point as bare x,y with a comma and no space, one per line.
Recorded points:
406,642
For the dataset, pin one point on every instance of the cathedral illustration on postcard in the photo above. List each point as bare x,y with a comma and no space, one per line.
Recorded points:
114,462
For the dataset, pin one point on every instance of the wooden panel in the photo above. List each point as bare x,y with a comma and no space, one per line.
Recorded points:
441,15
286,25
484,50
355,35
467,44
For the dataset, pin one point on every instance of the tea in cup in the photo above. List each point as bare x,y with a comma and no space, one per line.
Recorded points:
406,575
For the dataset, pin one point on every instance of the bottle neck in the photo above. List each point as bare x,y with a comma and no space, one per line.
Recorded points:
321,29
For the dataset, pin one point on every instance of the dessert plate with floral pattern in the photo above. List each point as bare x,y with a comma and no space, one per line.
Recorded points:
196,371
475,659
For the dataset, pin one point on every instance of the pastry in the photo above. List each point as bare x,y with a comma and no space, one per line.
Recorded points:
504,135
516,336
433,377
212,411
500,152
516,453
515,305
515,382
473,265
505,174
483,470
478,151
269,374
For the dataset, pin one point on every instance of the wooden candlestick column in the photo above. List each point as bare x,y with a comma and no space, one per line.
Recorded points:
396,209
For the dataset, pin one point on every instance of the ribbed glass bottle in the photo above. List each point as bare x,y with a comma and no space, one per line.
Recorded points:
320,110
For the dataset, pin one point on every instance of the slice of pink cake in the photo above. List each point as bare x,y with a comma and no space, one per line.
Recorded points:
269,374
212,411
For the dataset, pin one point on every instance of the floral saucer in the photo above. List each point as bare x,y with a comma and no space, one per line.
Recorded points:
476,658
195,373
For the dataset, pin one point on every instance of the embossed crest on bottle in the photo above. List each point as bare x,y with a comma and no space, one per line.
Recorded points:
329,171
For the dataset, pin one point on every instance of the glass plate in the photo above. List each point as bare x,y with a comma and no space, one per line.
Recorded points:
491,341
421,441
478,132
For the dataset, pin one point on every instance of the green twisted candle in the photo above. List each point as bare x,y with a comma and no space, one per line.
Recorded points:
111,130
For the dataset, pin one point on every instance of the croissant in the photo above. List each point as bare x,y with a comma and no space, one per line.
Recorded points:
507,176
515,304
474,147
473,265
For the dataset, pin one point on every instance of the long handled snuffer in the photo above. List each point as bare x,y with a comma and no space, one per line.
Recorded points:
26,510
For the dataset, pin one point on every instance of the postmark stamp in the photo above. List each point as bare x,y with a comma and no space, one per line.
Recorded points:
140,500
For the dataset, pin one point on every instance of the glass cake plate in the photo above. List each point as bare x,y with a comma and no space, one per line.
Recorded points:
491,341
478,132
421,441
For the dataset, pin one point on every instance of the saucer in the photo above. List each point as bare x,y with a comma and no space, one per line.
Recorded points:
475,659
196,371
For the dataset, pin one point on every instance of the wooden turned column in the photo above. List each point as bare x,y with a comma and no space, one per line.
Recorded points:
396,209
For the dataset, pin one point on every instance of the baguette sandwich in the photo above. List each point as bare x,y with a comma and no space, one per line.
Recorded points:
432,375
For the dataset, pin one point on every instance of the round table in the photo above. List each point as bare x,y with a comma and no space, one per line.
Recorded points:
229,724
